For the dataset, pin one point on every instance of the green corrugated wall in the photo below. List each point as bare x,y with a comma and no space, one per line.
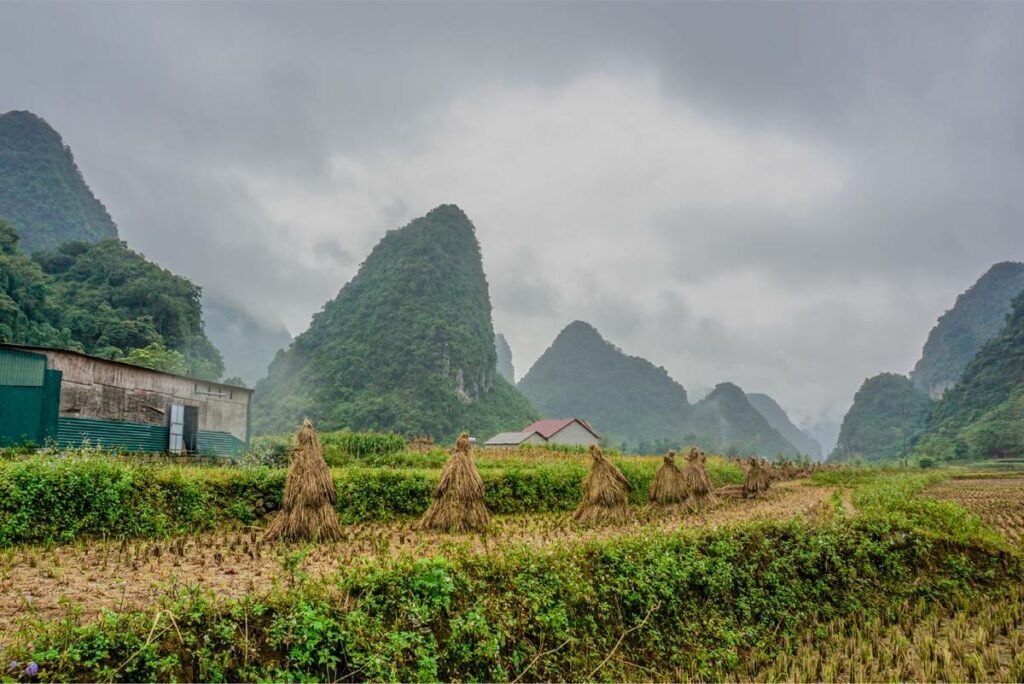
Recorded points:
139,437
25,388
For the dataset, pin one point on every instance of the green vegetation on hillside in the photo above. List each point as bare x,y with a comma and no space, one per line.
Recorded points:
777,418
983,415
103,299
626,398
407,346
978,315
42,192
504,352
887,414
726,421
27,315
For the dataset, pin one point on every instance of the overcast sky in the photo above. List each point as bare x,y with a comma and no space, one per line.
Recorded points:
785,196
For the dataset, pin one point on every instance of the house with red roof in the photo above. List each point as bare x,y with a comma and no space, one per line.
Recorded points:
571,431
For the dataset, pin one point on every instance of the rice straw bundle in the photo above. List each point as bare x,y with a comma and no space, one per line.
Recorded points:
307,509
757,479
702,494
458,504
605,494
669,493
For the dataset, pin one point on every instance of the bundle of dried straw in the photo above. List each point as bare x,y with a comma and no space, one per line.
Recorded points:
702,494
307,510
605,494
458,504
670,492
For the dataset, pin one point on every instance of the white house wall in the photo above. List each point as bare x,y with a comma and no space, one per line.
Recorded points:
575,434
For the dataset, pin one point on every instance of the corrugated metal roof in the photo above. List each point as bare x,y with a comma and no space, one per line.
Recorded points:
552,426
29,348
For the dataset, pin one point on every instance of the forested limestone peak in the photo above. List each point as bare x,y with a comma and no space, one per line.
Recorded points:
42,191
977,316
406,346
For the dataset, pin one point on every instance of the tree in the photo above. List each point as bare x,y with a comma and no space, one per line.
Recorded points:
158,357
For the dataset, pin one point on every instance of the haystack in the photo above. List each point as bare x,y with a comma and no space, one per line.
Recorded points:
307,510
757,480
702,494
669,493
605,494
458,504
789,471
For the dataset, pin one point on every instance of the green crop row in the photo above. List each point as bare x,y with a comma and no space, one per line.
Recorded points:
47,499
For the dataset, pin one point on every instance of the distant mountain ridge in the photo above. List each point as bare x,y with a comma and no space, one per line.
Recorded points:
504,353
406,346
777,418
887,414
734,426
630,400
626,397
42,191
976,317
982,416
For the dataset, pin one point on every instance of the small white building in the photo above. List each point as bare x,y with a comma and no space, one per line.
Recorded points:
570,431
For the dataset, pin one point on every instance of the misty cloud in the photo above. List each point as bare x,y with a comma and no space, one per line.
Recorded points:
785,196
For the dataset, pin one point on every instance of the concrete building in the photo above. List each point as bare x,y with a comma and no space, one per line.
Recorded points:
569,431
55,395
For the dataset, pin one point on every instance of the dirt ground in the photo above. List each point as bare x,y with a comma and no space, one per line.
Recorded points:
45,581
999,502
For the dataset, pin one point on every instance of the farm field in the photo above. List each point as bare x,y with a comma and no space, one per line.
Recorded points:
857,574
999,501
43,581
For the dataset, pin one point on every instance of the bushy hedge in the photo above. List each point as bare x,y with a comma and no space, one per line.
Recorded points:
47,499
654,606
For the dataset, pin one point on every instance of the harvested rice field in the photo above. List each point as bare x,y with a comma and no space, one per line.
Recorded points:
40,581
999,501
836,575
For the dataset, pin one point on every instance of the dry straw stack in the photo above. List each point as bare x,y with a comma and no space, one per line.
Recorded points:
670,492
757,480
605,494
458,504
702,494
307,510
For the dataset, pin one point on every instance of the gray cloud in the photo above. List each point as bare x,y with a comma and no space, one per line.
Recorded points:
785,195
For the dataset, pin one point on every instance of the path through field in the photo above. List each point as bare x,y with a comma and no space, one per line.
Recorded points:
118,576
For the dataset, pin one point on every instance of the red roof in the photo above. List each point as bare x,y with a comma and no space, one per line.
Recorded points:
549,428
